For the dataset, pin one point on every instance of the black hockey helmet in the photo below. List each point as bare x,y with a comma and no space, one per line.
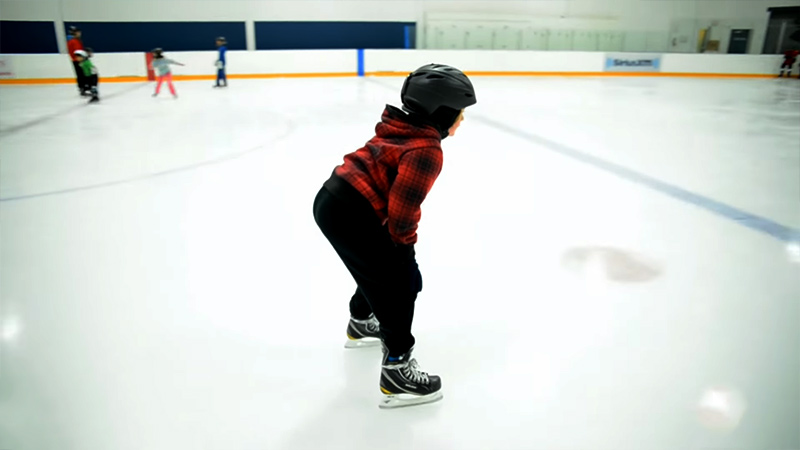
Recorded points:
222,39
434,86
157,52
73,29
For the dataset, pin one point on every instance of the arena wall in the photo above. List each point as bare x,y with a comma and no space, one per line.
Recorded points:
56,68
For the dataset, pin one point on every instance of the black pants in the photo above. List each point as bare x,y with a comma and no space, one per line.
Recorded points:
387,275
80,77
91,84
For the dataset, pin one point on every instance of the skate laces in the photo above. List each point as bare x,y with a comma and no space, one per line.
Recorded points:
412,372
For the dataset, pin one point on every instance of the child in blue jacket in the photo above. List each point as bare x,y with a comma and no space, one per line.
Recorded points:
221,78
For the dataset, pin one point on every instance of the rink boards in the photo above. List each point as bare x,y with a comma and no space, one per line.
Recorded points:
131,67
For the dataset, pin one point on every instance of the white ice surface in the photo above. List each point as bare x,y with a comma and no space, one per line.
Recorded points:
178,295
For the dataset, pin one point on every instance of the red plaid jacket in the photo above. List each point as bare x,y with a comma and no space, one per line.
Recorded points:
395,170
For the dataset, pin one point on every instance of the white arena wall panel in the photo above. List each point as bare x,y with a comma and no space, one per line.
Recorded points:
727,64
485,60
57,68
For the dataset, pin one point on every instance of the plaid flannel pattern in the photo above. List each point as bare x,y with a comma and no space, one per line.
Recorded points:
395,170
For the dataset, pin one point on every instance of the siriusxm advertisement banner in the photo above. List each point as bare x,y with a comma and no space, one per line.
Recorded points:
633,62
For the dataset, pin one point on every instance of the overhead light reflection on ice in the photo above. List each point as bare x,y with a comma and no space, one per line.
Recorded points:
793,251
721,408
10,328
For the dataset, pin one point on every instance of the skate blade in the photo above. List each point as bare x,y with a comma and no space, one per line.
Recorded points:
362,343
404,400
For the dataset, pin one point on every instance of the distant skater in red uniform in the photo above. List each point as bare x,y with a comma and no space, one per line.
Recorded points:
789,58
74,44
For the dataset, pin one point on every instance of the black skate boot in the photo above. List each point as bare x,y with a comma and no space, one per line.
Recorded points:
95,98
363,333
403,384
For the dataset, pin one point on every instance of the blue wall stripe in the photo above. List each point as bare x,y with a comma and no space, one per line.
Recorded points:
19,36
749,220
171,36
329,35
360,56
407,36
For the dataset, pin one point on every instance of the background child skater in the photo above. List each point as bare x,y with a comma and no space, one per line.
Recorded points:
222,78
89,72
163,71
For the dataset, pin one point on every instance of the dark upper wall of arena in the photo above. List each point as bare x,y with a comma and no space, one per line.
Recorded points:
27,37
40,37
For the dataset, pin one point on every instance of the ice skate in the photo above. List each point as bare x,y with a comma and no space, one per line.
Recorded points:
404,384
95,98
363,333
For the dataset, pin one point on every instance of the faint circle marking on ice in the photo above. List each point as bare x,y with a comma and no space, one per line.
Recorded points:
721,408
287,131
611,264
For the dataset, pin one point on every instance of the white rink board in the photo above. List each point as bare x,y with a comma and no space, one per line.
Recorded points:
345,61
731,64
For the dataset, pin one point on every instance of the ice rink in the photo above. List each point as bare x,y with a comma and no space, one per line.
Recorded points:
608,263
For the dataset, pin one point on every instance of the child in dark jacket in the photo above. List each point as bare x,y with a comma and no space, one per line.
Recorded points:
369,210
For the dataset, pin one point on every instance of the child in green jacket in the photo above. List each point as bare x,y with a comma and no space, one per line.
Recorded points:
89,71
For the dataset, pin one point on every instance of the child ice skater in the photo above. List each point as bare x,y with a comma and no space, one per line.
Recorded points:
369,210
74,44
89,72
163,71
789,58
222,79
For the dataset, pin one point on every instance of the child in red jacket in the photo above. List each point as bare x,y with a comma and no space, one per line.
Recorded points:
789,57
74,44
369,210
